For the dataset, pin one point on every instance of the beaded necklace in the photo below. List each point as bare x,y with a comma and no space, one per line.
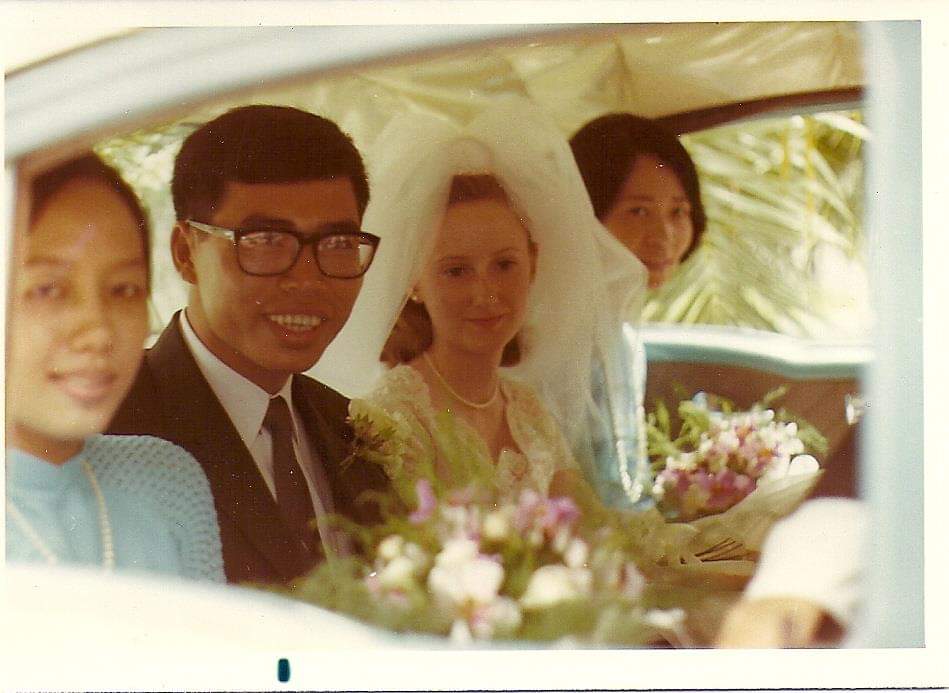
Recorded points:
451,391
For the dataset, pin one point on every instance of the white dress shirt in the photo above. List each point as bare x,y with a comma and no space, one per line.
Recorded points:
246,405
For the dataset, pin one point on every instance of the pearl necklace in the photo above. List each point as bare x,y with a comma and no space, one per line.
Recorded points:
451,391
105,527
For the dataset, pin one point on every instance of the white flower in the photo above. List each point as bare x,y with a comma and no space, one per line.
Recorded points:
665,619
794,446
782,467
576,554
686,461
496,525
552,584
460,633
390,547
417,555
461,576
561,539
402,562
500,617
803,464
658,489
768,437
399,573
456,517
777,469
728,441
457,551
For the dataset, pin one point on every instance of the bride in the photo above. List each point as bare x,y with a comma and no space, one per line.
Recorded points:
495,296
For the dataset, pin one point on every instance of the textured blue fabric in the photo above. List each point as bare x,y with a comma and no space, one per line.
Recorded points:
158,500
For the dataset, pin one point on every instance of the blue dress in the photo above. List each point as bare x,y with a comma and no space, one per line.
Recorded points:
157,498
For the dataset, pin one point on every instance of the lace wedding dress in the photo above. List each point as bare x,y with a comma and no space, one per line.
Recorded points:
431,443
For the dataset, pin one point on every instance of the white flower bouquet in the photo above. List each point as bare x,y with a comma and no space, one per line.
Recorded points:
466,560
532,569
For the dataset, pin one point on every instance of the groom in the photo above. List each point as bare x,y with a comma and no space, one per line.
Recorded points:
269,202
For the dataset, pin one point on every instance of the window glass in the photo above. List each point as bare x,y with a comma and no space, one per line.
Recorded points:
784,246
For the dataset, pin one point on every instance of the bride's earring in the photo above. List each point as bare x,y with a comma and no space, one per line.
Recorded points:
415,298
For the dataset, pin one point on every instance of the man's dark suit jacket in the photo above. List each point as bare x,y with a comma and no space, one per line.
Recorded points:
170,399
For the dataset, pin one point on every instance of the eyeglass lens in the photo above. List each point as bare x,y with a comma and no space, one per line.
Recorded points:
274,252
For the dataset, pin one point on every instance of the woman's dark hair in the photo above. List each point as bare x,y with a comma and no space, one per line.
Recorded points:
606,150
412,333
261,144
88,167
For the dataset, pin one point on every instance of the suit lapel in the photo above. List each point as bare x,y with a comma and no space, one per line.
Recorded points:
201,425
324,414
325,441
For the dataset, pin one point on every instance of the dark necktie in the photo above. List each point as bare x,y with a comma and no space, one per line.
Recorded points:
293,497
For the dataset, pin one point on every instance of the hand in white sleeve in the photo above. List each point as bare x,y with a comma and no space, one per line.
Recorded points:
809,569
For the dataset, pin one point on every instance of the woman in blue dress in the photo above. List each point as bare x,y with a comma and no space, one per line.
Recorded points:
78,322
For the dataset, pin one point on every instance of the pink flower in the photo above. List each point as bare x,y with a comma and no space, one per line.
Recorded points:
727,489
561,512
528,505
682,480
702,480
426,502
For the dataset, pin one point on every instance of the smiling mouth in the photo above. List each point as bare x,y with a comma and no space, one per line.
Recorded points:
88,387
487,322
297,322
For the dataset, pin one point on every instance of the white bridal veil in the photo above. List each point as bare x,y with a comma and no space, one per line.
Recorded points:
584,284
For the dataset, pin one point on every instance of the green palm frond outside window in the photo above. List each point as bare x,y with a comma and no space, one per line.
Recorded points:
778,192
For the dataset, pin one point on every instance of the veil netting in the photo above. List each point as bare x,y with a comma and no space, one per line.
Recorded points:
576,352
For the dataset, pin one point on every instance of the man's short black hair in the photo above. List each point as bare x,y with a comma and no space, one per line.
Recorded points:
606,150
261,144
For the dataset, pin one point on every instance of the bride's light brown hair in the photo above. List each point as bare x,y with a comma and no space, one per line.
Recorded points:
412,333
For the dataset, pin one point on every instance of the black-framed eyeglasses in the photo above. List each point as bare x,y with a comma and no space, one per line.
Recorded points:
342,251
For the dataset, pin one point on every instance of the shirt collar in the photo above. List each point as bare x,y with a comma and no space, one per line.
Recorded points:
245,403
30,474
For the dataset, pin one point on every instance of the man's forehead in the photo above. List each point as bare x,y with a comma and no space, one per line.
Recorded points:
301,203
